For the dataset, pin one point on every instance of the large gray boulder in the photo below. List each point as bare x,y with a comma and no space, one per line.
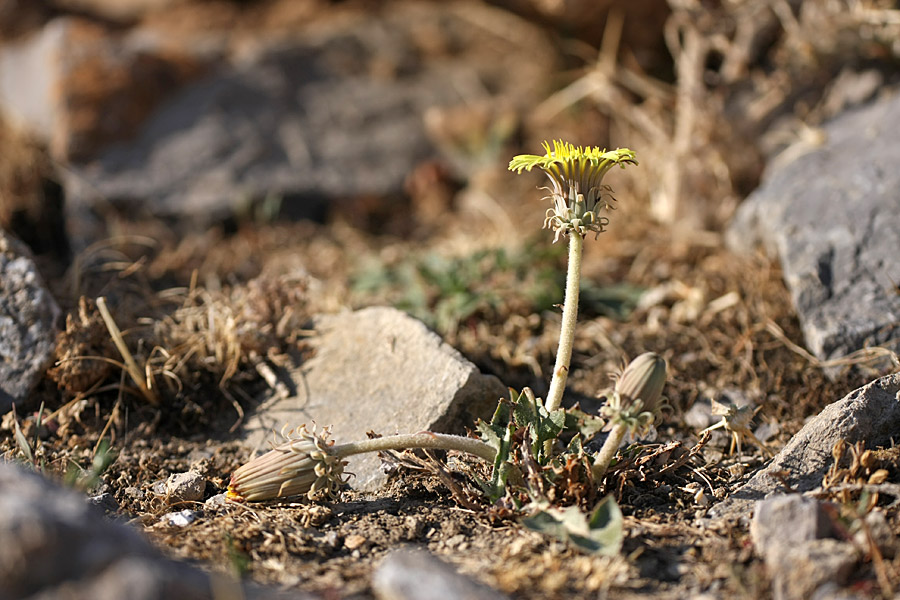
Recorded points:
378,369
832,217
28,315
55,545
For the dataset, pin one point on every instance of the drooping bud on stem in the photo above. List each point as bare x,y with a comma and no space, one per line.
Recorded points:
305,463
632,406
643,379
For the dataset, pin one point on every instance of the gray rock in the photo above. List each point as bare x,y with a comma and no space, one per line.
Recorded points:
833,219
378,369
801,569
417,575
881,534
77,103
216,502
784,521
57,546
832,591
41,527
105,502
28,315
333,112
870,414
185,487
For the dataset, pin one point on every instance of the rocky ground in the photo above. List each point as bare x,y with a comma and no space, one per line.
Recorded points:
294,170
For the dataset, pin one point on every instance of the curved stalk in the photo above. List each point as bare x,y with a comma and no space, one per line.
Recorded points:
425,439
567,330
608,451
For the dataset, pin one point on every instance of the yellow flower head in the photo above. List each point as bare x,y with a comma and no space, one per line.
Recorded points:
577,190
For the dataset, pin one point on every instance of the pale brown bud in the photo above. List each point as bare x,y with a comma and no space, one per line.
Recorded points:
303,464
643,379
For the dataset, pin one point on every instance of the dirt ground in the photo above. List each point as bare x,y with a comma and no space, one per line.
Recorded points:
486,277
332,547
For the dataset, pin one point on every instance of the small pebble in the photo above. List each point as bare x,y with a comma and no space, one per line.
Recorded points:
185,487
352,542
104,502
181,518
216,501
332,539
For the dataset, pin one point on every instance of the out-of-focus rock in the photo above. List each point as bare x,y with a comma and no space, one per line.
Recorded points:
332,112
783,521
832,217
870,414
28,315
378,369
57,546
799,572
115,10
77,86
793,534
417,575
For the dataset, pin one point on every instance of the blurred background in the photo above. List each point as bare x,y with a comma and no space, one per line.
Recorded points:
361,147
387,115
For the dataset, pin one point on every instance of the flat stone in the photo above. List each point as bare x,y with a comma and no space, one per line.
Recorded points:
57,546
832,217
28,315
418,575
870,414
378,369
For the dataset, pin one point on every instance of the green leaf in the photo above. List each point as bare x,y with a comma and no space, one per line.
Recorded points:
498,433
575,447
613,301
496,488
488,435
492,432
602,533
588,425
21,441
529,412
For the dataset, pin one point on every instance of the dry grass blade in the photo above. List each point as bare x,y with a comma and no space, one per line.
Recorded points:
131,366
873,356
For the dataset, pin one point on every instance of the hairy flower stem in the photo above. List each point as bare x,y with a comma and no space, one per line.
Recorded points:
425,439
608,451
567,331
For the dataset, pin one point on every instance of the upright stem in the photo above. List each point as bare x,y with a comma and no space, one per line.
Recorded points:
608,451
567,331
425,439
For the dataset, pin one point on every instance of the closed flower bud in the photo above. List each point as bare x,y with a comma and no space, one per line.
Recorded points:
643,379
302,464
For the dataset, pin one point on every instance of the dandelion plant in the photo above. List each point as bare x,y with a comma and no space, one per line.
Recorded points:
578,195
306,462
